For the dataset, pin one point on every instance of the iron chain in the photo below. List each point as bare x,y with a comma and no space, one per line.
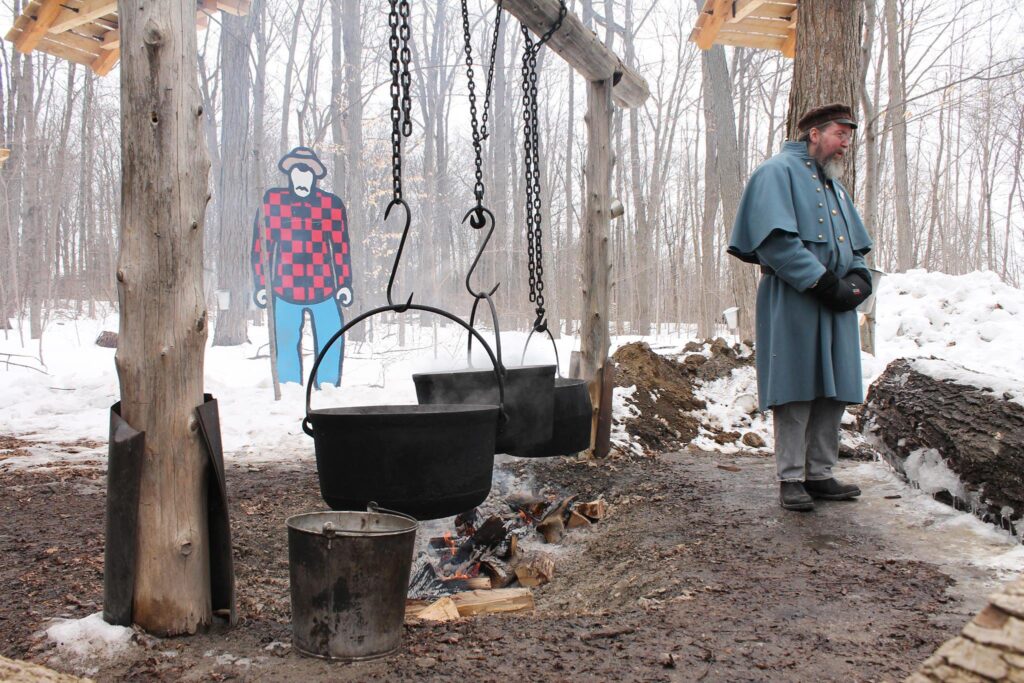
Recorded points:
401,105
531,165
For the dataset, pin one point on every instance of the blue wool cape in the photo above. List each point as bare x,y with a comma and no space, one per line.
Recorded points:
794,221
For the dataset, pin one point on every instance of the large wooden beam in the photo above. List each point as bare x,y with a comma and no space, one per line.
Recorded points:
581,49
720,11
597,267
34,31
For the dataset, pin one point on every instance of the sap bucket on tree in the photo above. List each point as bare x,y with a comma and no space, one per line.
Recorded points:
349,574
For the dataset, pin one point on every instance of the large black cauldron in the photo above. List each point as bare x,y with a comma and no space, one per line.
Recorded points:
428,461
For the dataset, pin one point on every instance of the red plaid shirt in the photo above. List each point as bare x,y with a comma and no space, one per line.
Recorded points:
308,243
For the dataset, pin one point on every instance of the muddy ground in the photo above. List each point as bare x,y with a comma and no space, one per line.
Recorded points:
696,574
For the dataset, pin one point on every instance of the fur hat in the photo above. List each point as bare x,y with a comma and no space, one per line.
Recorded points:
302,156
829,113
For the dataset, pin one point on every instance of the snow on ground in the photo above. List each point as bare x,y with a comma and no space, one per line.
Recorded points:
66,395
88,637
966,328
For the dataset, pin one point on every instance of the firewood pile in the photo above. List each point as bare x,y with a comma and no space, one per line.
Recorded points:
483,566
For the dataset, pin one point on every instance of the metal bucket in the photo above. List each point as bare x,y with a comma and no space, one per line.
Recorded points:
349,576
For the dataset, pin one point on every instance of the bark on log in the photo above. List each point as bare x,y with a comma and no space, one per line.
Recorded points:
163,318
974,421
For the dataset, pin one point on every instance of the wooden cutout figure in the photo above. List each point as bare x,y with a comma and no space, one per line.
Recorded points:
305,232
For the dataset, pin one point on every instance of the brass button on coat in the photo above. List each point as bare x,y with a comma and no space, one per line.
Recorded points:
820,205
817,189
821,220
842,239
834,212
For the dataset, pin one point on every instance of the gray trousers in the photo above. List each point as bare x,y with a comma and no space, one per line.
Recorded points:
807,438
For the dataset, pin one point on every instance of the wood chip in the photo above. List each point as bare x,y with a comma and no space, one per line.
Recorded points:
443,609
595,509
577,520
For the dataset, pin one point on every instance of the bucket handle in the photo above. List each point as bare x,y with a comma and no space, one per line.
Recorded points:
401,308
558,365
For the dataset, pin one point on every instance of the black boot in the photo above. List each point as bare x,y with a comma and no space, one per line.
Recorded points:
793,497
830,489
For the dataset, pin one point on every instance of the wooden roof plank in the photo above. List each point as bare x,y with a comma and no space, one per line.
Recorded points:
749,40
90,9
775,27
111,40
744,8
34,32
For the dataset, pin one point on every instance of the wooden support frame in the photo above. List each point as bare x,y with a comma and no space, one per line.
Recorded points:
581,49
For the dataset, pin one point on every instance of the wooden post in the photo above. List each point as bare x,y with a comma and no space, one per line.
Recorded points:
165,169
596,265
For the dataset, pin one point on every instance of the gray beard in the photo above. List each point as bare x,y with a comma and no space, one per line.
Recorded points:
833,168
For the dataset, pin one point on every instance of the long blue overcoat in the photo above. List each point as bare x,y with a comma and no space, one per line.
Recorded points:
792,219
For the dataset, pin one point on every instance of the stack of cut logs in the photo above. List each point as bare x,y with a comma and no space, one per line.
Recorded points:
475,569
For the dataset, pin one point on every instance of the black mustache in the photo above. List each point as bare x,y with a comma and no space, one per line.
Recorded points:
301,187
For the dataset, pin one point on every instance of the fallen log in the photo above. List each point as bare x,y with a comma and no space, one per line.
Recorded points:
956,433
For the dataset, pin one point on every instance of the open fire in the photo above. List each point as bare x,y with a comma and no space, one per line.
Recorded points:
484,551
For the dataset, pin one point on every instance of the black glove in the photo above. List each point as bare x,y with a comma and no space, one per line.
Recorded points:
840,294
865,279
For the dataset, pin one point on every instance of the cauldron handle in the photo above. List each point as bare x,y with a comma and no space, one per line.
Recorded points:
494,321
401,308
558,365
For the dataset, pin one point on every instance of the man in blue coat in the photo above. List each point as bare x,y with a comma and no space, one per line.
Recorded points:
798,222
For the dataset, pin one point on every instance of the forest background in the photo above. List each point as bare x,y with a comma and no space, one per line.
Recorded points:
939,155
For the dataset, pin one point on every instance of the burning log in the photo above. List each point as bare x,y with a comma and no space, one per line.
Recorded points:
552,527
491,533
499,571
535,570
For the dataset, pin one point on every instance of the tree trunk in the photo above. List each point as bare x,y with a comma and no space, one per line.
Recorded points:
355,191
827,63
596,266
162,318
234,196
977,432
896,122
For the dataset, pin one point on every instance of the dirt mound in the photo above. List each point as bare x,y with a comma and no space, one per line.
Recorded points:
664,395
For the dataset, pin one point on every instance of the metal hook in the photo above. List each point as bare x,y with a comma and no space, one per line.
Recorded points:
478,217
400,308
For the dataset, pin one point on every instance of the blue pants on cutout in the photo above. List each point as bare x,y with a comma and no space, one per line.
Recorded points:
326,320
